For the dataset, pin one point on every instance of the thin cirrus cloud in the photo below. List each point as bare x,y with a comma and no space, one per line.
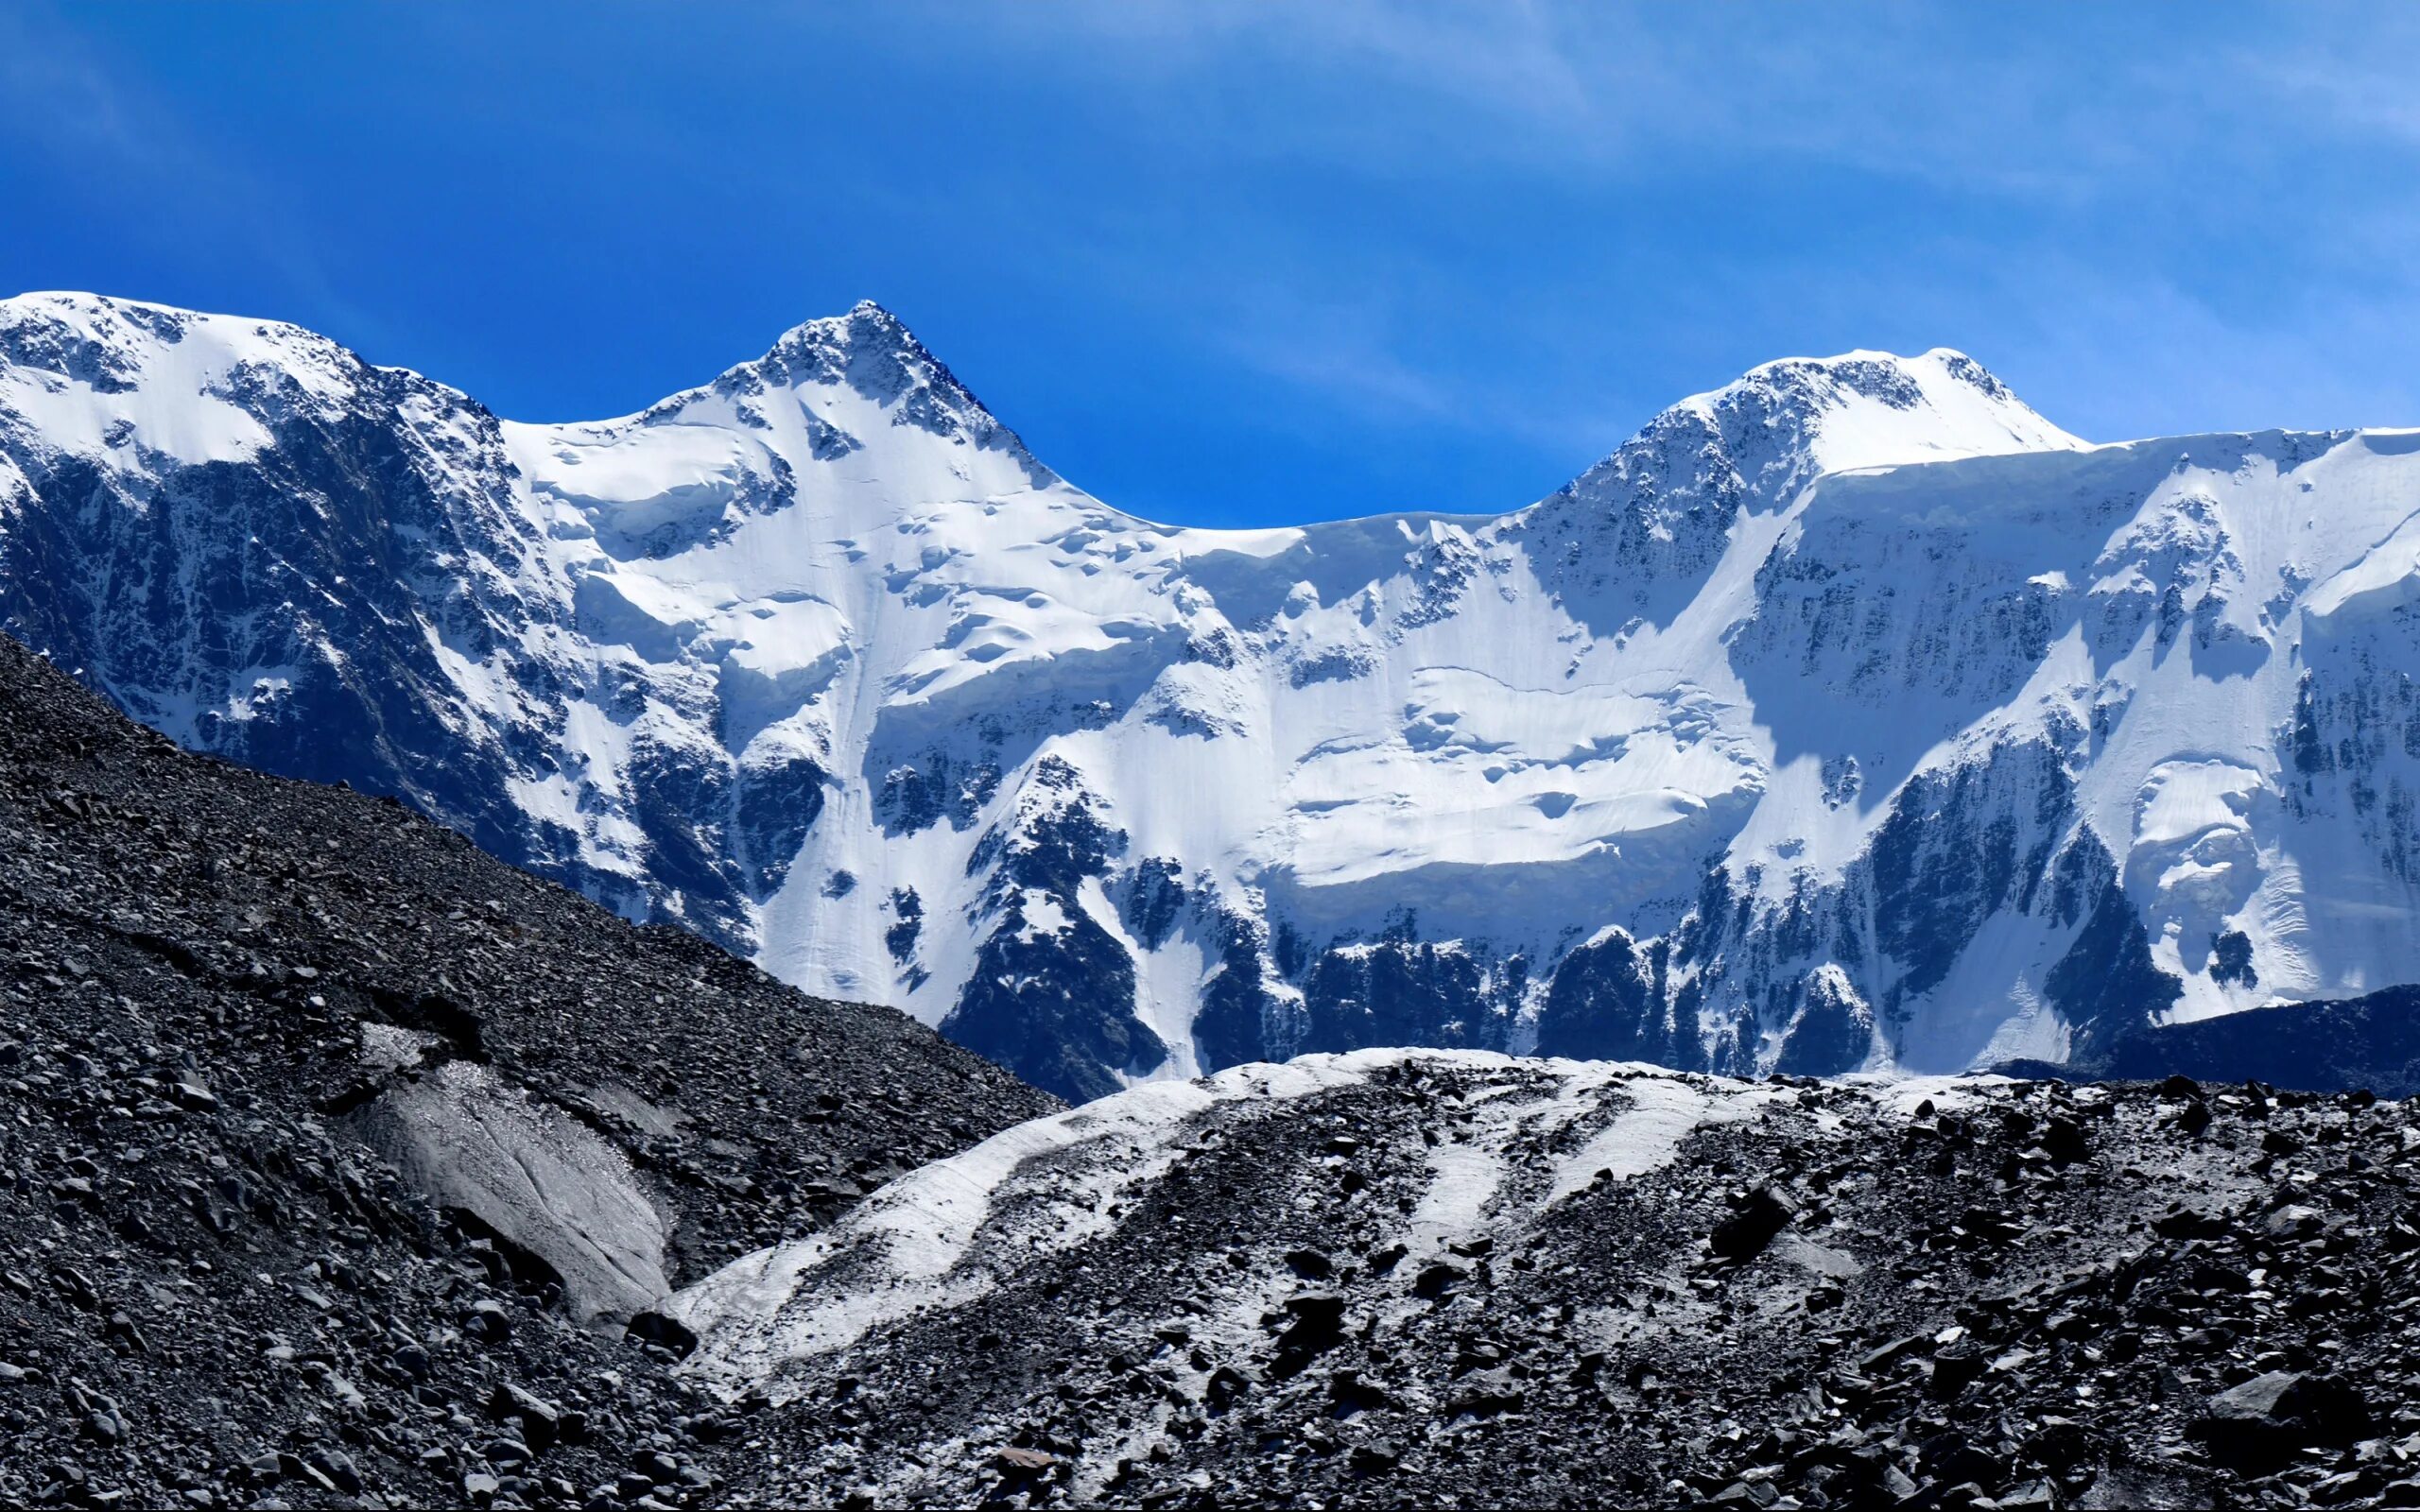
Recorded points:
1229,262
2129,176
147,180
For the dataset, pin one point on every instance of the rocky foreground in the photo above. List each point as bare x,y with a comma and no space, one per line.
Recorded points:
336,1159
340,1167
1430,1278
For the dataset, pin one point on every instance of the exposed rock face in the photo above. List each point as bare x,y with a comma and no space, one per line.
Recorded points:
336,1155
1459,1278
535,1174
1851,715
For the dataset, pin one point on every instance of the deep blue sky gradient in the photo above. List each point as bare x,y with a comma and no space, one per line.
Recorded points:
1257,263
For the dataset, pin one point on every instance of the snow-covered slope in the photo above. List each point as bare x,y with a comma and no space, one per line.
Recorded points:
1850,715
953,1232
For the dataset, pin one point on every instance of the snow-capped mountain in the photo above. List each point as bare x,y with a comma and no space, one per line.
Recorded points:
1852,715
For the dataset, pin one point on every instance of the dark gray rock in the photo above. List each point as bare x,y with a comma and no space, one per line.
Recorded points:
1759,1218
2271,1417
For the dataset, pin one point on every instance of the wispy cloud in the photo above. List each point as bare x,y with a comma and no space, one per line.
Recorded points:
2226,185
1416,245
64,106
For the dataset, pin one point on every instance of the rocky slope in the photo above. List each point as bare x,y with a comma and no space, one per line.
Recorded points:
1457,1278
1851,715
322,1134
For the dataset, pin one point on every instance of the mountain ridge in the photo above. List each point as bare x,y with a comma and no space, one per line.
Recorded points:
1849,715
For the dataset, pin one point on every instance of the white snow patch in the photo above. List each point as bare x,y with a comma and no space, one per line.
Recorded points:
1645,1136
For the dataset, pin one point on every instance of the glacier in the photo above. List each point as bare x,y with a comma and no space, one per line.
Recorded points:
1850,717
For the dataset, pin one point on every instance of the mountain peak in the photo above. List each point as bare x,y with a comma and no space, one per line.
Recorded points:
127,323
1671,493
1782,422
868,352
1867,409
865,326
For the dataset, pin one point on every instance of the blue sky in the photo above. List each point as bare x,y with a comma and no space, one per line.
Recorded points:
1248,263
